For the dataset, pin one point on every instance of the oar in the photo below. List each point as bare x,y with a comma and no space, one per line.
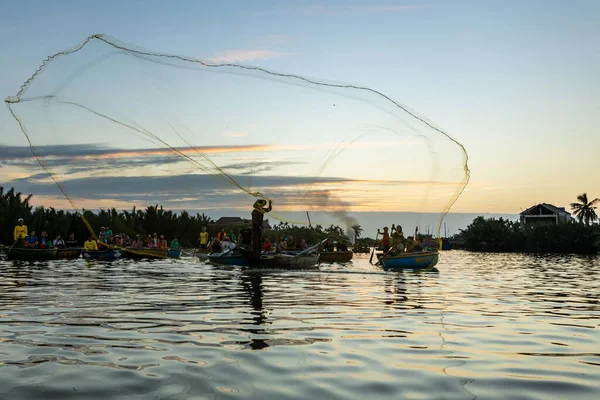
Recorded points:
311,248
13,245
375,244
385,255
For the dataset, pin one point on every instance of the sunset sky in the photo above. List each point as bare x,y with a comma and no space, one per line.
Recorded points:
515,82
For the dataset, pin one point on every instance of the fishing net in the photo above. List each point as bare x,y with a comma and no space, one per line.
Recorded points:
109,121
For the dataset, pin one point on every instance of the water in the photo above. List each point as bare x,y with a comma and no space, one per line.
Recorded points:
486,326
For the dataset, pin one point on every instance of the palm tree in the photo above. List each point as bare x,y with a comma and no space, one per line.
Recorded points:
584,210
358,230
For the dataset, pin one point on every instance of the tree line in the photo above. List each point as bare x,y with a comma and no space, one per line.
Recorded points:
502,235
153,219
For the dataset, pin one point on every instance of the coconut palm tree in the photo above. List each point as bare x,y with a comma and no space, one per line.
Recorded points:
584,210
358,230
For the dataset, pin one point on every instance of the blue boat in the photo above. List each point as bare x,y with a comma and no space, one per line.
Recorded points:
173,253
227,258
417,260
103,255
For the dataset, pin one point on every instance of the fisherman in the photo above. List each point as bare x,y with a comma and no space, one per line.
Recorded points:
203,238
385,239
20,233
258,214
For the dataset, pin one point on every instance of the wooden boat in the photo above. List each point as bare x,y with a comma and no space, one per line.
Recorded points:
68,253
173,253
103,255
416,260
227,258
280,260
146,253
335,256
26,254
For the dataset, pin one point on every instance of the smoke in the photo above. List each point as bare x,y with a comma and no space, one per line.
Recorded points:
325,200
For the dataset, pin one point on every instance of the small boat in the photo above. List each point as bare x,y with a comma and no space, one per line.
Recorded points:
416,260
103,255
335,256
68,253
173,253
146,253
26,254
227,258
280,260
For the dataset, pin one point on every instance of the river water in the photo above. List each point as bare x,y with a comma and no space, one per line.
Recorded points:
489,326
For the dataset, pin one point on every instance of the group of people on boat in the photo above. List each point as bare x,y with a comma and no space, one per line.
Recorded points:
105,239
397,243
28,239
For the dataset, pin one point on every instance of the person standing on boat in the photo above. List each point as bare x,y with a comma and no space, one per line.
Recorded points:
203,238
258,214
398,239
20,233
385,239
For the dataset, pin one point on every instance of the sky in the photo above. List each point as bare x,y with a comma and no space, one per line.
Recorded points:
515,82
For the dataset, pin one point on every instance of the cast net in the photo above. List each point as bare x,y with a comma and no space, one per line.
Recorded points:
115,125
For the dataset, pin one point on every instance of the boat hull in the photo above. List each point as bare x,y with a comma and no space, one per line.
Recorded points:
231,258
288,261
173,253
25,254
103,255
68,254
418,260
335,256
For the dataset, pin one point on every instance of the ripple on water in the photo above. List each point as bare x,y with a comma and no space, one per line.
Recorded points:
487,326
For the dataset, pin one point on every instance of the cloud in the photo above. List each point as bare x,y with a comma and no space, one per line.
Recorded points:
235,56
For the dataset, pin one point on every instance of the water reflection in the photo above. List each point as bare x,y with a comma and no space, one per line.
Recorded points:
486,325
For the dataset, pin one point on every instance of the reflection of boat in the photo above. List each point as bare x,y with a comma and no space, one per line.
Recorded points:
280,260
69,253
416,260
228,258
103,255
25,254
335,256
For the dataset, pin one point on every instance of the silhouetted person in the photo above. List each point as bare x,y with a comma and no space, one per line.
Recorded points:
258,214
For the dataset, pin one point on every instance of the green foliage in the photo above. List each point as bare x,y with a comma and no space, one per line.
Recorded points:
500,235
153,219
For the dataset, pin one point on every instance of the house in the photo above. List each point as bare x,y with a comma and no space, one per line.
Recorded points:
237,221
544,212
231,221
